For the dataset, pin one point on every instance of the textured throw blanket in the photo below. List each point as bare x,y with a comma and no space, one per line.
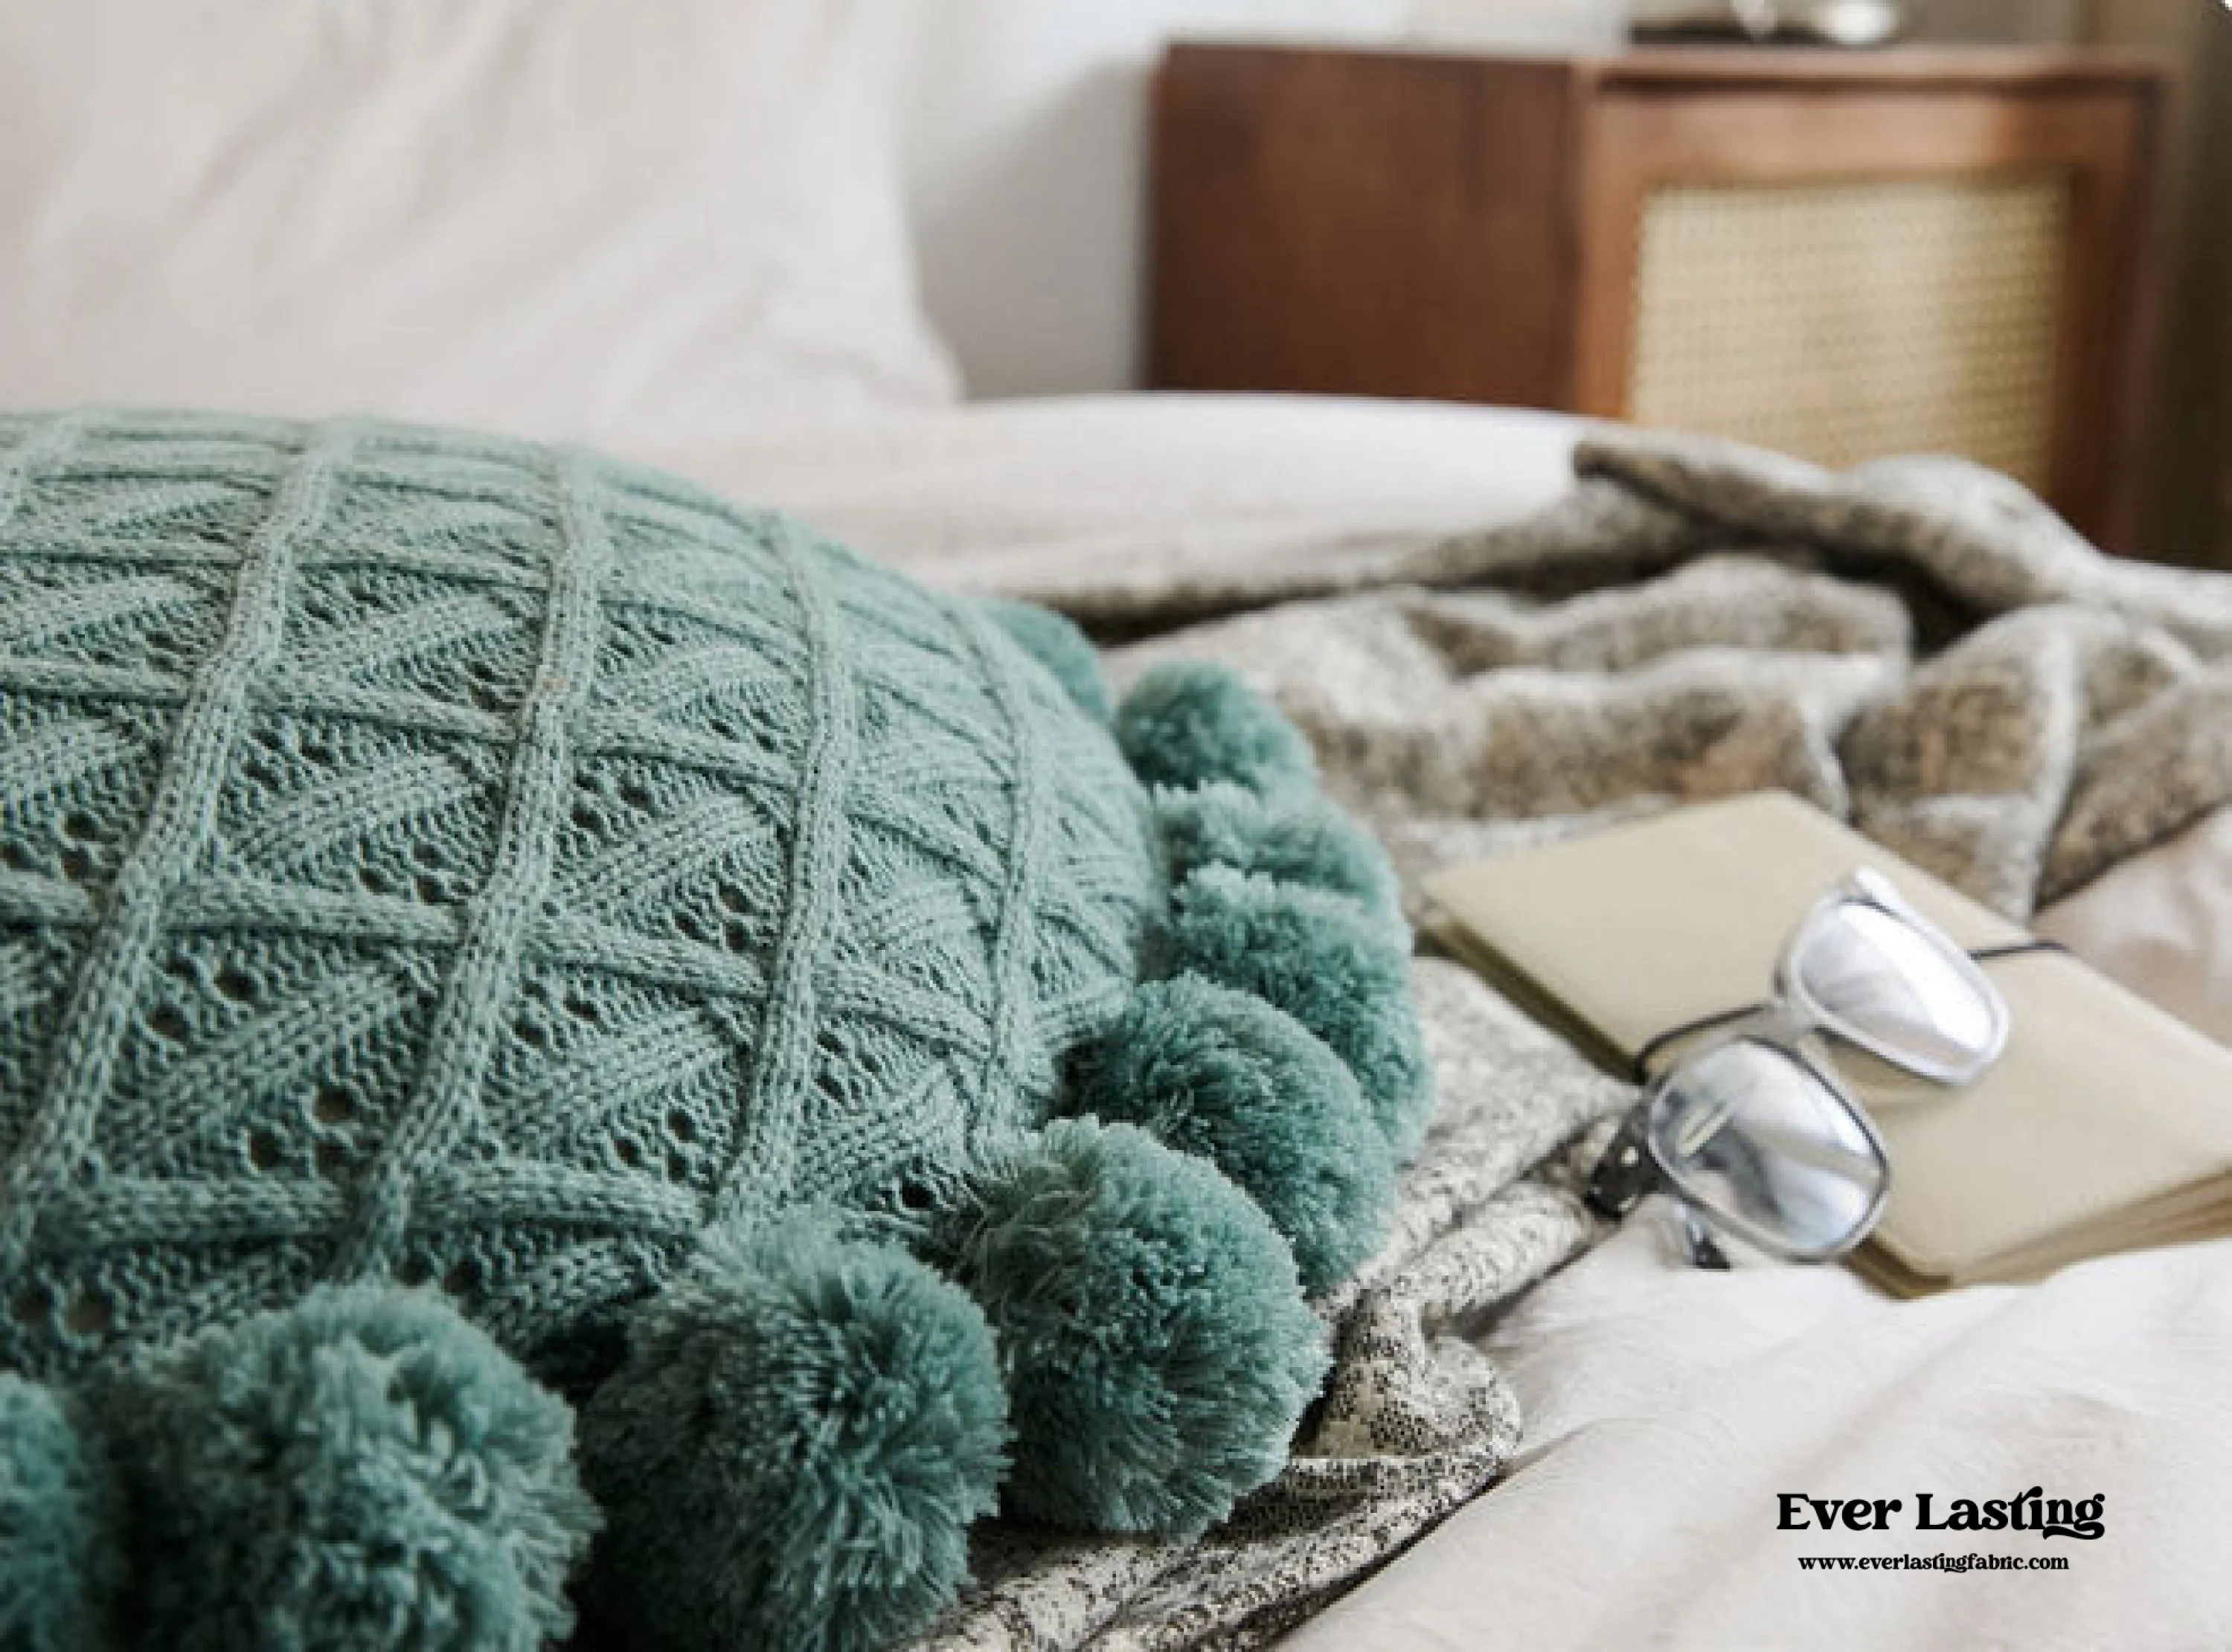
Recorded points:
1916,646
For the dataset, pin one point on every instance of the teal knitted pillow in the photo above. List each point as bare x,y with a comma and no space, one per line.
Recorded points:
491,937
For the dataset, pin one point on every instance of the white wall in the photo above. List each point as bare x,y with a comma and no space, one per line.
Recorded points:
1026,132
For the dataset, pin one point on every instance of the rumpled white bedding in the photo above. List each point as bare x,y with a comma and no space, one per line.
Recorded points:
1666,1409
2162,924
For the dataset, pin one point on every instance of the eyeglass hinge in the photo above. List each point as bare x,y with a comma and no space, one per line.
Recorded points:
1625,1172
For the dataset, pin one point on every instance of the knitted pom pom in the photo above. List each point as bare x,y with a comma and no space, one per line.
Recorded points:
58,1559
1058,645
361,1469
1157,1349
1189,722
1297,837
804,1431
1224,1076
1323,960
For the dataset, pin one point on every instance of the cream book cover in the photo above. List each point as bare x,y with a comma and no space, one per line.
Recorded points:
2107,1125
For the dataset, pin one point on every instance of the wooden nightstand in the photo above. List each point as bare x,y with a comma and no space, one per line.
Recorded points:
1841,254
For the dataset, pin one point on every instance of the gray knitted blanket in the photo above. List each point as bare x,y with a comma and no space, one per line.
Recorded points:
1916,646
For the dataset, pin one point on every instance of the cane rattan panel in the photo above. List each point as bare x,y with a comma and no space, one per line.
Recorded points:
1846,320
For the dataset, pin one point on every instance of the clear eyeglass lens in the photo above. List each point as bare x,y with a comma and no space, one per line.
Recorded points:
1750,1131
1881,977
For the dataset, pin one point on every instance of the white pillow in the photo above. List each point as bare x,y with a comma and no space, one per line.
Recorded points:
631,222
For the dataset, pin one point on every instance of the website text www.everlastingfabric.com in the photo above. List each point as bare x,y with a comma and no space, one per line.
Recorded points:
1933,1562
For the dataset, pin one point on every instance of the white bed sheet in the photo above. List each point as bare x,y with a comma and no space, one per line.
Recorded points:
1020,494
1667,1409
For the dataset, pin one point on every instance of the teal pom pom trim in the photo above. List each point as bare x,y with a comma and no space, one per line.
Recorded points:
1225,1077
805,1428
1157,1349
1297,837
363,1469
1056,642
1326,962
58,1557
1191,722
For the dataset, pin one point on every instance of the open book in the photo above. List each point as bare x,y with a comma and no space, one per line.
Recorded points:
2107,1125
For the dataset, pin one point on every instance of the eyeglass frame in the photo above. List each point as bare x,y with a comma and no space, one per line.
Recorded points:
1790,1023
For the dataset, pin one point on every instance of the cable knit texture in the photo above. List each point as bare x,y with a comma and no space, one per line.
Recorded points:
415,846
434,866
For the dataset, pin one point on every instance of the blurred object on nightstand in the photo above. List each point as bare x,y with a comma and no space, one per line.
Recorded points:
1838,254
1813,23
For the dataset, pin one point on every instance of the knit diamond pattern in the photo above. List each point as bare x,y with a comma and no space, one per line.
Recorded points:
435,858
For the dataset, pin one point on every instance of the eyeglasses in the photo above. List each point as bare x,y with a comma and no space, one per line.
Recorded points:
1753,1132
